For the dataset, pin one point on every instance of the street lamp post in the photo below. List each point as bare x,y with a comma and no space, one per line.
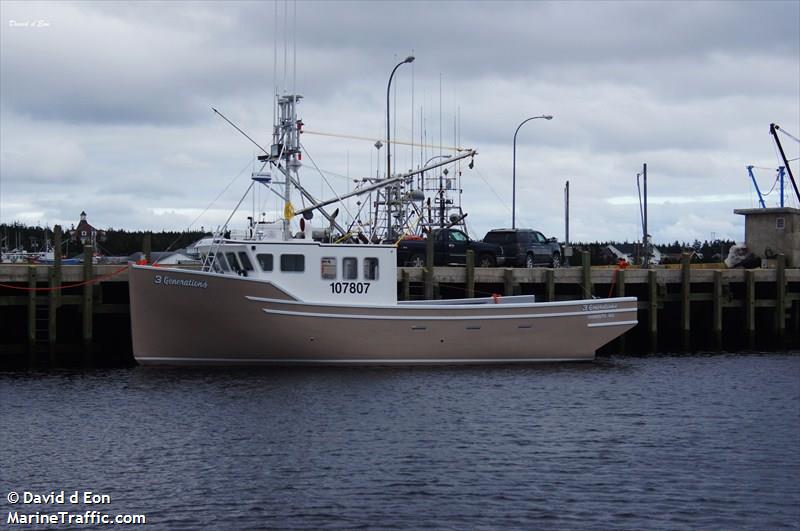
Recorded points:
514,170
409,59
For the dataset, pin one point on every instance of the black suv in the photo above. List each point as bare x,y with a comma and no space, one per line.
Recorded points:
526,247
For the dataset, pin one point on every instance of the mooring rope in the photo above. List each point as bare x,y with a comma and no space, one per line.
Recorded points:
620,266
66,286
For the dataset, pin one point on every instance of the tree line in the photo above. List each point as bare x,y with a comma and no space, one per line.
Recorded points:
118,242
111,242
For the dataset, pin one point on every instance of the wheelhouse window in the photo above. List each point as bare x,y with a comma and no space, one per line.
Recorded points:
370,269
248,266
293,263
222,263
234,263
328,267
349,268
265,261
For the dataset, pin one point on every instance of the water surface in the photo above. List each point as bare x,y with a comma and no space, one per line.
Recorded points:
700,442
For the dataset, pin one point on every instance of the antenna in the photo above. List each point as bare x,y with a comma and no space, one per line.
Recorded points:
294,50
440,113
275,68
237,128
412,111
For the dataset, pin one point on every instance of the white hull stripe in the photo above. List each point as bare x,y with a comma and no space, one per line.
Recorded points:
380,361
438,317
613,323
472,306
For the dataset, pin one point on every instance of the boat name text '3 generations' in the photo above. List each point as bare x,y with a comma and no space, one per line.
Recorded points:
186,283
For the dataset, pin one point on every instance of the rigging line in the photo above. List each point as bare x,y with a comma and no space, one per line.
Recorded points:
382,140
225,226
339,175
641,210
169,248
344,206
787,134
773,186
502,202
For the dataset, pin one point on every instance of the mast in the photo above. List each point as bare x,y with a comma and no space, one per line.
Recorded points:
285,151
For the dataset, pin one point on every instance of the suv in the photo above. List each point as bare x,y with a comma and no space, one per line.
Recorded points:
450,246
526,247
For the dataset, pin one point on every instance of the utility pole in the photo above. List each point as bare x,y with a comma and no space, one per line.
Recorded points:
566,224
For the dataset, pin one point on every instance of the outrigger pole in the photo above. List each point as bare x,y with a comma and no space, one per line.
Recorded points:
388,182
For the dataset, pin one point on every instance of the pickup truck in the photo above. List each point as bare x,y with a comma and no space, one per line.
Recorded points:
526,247
450,246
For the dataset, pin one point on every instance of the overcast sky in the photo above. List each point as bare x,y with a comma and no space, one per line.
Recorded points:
106,107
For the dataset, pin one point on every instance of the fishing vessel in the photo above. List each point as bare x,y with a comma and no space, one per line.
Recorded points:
268,295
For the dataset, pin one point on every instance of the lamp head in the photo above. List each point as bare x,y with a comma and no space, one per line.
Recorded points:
409,59
548,117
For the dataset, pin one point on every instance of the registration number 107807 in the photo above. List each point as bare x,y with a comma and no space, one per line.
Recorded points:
350,287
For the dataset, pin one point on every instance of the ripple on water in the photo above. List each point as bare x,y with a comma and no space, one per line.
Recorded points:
625,443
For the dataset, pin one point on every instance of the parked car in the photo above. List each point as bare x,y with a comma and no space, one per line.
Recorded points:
450,246
526,247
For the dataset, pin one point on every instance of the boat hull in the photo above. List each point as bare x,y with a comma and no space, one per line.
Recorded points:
184,317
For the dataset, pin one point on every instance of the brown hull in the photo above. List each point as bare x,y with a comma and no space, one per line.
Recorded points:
191,318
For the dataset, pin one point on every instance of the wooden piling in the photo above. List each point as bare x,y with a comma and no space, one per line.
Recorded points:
31,306
621,293
586,263
52,306
87,294
550,285
54,295
57,262
470,271
508,281
429,267
780,295
686,286
750,306
717,300
652,302
405,286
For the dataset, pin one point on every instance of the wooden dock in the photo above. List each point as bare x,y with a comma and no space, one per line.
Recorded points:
86,307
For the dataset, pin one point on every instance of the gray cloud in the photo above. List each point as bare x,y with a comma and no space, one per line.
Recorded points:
108,107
